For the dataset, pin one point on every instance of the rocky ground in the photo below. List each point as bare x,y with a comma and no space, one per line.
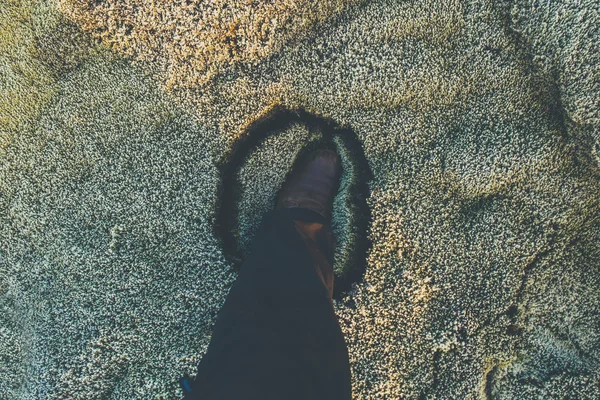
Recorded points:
479,126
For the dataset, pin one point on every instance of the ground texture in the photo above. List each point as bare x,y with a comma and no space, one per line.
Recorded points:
479,122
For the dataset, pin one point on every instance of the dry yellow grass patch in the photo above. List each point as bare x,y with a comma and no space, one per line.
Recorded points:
190,41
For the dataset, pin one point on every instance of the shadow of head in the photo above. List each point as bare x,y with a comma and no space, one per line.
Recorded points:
258,165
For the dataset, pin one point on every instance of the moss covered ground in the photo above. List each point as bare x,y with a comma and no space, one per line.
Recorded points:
478,122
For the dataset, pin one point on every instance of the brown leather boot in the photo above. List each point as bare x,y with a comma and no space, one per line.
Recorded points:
315,185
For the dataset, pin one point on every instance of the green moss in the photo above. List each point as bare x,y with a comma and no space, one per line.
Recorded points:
37,44
483,272
108,147
26,82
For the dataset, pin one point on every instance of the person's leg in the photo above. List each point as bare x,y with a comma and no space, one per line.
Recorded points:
277,336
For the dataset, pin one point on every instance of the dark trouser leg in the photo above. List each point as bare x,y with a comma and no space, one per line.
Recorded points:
276,336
